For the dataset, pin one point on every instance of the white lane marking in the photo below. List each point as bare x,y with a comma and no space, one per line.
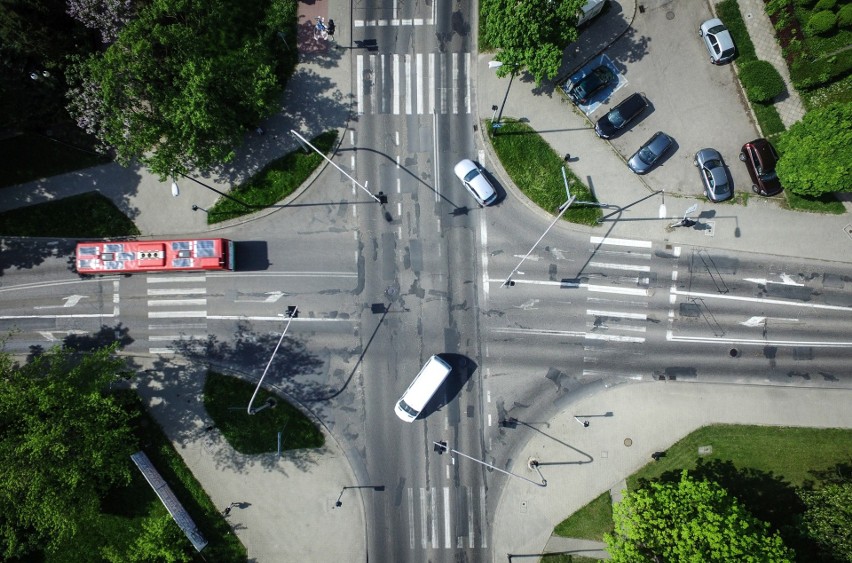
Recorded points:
629,267
454,92
408,93
483,254
539,331
619,290
785,280
175,279
469,492
80,316
757,341
424,532
447,517
39,285
437,159
758,321
161,351
411,517
184,326
178,314
398,186
70,301
275,318
432,83
620,242
359,77
467,94
382,59
433,505
296,274
639,316
176,302
395,84
482,513
374,98
48,334
178,291
419,69
761,300
613,337
174,337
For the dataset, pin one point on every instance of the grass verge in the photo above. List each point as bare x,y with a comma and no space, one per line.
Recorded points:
226,398
125,509
567,558
28,157
590,522
534,167
826,203
274,182
88,215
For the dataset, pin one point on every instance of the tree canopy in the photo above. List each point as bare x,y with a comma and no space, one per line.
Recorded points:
182,83
531,34
816,152
64,441
828,518
689,521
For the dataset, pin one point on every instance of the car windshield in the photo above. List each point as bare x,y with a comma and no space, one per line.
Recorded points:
471,175
404,406
716,29
765,176
616,118
728,53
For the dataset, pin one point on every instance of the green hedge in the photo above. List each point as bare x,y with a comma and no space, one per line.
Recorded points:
821,23
761,81
844,16
825,5
810,74
729,13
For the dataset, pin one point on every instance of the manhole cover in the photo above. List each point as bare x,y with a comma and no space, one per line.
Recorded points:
628,442
669,15
392,292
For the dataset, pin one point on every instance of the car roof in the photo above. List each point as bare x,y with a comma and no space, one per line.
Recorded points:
659,141
632,103
765,151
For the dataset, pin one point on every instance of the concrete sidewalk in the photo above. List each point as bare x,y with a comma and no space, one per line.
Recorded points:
581,463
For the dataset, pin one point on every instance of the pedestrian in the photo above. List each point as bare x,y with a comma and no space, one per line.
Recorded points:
567,156
227,510
330,29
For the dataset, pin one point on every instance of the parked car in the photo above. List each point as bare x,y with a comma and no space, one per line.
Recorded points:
760,158
718,41
714,177
471,175
620,116
589,10
582,91
648,154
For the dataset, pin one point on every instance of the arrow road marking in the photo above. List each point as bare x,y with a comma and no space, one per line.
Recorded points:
273,297
758,321
48,334
70,301
785,280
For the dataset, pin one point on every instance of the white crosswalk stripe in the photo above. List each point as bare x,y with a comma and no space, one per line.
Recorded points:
397,84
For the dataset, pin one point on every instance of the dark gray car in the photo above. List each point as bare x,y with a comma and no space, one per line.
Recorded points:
648,154
714,177
617,119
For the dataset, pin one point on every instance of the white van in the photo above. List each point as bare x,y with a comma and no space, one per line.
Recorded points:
589,10
422,388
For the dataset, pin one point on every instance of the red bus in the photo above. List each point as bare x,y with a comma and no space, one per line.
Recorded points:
119,257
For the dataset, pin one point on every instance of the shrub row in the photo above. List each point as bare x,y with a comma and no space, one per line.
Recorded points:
810,74
761,81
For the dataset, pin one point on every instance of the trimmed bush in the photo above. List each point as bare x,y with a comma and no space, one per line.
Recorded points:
844,16
810,74
822,22
825,5
761,81
729,12
802,3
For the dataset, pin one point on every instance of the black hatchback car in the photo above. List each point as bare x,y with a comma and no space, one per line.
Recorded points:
617,119
760,158
582,91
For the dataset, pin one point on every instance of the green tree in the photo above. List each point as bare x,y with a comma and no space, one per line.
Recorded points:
64,441
828,518
161,541
816,152
531,34
182,84
689,521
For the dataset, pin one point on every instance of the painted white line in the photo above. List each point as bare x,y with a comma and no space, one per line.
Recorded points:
424,536
183,326
437,160
469,492
176,302
613,337
620,242
275,318
447,517
408,93
637,316
433,505
175,279
676,252
38,285
533,282
455,69
419,71
629,267
177,314
395,84
398,186
296,274
674,275
81,316
175,337
757,341
467,94
619,290
411,518
178,291
483,513
374,98
538,331
785,280
161,351
761,300
483,256
432,83
359,77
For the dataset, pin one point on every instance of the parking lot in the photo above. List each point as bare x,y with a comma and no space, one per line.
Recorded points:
697,103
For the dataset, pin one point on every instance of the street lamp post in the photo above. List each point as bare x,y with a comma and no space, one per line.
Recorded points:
442,447
495,65
291,313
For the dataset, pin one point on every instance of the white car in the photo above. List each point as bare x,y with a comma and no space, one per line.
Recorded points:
471,175
718,41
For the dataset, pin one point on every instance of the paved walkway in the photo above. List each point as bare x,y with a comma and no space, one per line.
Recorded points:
766,47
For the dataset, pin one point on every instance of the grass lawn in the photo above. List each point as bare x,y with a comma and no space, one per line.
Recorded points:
277,180
535,168
761,466
824,204
88,215
567,558
590,522
125,509
29,157
226,399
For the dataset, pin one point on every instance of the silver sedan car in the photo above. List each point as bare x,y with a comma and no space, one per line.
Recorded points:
718,41
475,181
714,177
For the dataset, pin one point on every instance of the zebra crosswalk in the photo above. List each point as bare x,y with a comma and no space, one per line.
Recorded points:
446,517
413,84
177,307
